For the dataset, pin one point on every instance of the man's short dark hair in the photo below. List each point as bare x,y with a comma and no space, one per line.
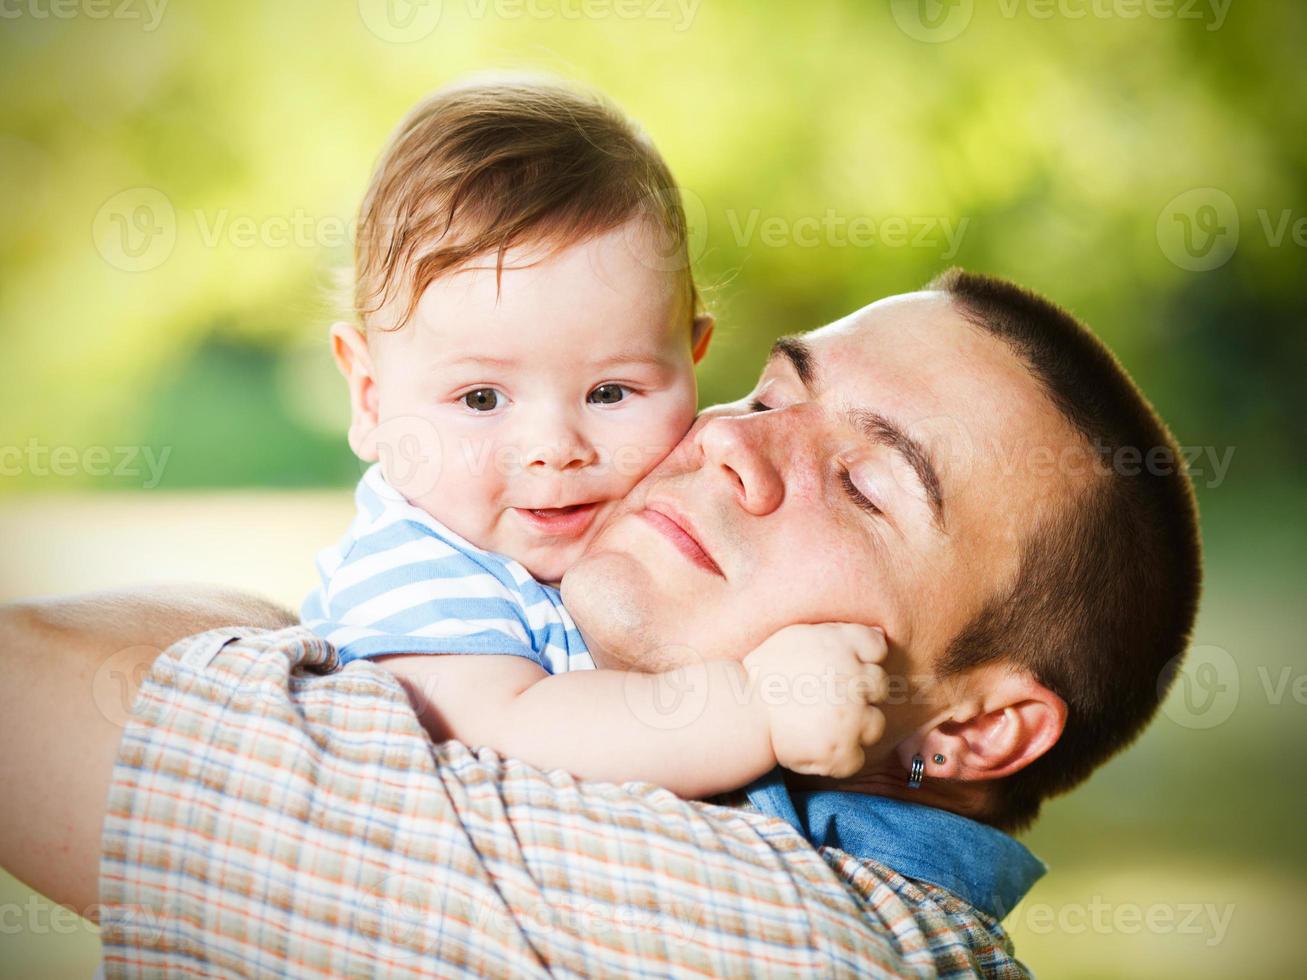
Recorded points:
1107,589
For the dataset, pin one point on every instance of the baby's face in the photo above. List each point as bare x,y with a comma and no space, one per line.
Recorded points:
519,415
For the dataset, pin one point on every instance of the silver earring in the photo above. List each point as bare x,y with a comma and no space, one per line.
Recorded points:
917,773
939,759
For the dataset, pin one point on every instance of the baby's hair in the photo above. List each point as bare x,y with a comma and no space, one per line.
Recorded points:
484,166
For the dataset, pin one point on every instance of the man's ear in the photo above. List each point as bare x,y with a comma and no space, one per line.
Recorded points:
1010,722
350,349
700,335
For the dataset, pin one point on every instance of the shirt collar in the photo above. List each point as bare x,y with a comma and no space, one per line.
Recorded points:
978,863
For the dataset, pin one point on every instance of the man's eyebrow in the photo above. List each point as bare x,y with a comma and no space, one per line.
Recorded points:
873,426
877,428
799,354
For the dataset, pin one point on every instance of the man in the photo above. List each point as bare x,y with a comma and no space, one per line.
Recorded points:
966,467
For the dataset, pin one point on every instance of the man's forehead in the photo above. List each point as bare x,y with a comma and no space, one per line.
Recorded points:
921,319
916,346
953,386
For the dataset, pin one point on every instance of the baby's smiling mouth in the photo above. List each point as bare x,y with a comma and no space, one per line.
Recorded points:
569,521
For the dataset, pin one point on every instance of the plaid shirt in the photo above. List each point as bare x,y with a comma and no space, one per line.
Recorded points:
272,813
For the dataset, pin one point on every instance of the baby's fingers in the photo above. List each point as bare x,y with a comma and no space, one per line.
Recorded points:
849,763
873,725
870,684
867,642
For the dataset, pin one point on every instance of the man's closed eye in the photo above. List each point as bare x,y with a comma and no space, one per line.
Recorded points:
857,496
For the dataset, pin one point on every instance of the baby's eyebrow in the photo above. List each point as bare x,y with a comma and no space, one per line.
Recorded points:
475,360
630,357
619,357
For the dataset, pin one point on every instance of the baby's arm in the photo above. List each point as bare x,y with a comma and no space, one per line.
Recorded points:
804,698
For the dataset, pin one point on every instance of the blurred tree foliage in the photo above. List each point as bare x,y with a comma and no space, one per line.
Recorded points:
1050,146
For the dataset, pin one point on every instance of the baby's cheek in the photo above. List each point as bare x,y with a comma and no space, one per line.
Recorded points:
666,429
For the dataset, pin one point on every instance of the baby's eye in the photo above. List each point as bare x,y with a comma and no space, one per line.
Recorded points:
482,400
609,394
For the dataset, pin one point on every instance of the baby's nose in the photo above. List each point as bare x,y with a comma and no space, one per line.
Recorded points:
569,451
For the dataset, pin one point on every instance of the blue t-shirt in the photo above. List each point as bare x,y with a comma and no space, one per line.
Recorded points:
399,581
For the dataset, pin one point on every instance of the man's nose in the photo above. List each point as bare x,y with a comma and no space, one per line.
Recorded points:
737,448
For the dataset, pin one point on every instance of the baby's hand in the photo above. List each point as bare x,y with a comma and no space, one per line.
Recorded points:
819,685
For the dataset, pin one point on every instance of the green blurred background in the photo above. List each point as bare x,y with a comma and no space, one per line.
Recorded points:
178,181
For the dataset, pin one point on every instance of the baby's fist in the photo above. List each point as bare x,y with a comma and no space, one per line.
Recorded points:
819,685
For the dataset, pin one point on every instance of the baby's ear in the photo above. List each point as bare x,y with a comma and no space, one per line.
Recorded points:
350,349
700,335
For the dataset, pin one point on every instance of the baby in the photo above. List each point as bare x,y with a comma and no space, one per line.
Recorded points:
529,327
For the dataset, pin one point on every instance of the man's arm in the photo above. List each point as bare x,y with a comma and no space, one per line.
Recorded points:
71,668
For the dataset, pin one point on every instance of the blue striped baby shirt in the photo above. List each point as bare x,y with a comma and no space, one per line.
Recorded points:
399,581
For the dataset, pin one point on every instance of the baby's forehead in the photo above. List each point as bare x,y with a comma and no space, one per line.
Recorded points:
621,270
540,310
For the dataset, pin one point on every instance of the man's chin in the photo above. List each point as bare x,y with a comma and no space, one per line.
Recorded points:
611,596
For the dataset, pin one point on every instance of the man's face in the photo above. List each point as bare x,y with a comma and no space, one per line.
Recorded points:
891,486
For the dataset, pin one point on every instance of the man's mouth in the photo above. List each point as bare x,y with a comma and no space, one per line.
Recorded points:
680,532
563,522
